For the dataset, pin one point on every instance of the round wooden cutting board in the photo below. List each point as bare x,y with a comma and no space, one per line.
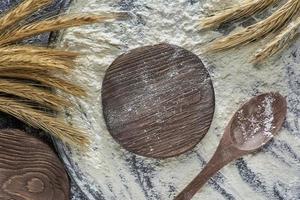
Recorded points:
158,101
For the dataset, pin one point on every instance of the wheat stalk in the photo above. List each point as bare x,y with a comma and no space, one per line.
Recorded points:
20,12
278,19
41,51
58,23
24,67
35,94
279,42
246,9
45,79
48,123
34,61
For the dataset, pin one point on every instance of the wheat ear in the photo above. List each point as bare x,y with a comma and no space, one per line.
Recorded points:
258,30
42,120
58,23
34,62
246,9
42,96
279,42
26,8
41,51
45,79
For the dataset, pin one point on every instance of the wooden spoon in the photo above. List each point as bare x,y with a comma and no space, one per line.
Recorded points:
252,126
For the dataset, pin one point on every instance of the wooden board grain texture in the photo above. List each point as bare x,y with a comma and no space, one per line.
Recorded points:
158,101
29,169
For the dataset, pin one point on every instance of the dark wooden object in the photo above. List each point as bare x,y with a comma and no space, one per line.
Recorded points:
158,101
248,130
29,169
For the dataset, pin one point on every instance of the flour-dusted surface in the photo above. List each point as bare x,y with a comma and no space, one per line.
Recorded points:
108,172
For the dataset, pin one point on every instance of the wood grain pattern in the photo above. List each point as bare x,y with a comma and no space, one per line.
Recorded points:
29,169
158,101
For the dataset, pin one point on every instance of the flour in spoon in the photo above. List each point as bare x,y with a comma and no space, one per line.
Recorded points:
255,123
268,116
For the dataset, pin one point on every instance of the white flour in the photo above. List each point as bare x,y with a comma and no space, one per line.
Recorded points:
254,125
234,78
268,116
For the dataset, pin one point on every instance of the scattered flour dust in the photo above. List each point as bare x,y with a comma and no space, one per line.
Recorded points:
268,116
106,165
255,124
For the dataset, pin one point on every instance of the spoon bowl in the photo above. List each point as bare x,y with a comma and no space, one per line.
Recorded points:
257,121
251,127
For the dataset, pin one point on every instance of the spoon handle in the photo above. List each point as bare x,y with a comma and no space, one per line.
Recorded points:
221,158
